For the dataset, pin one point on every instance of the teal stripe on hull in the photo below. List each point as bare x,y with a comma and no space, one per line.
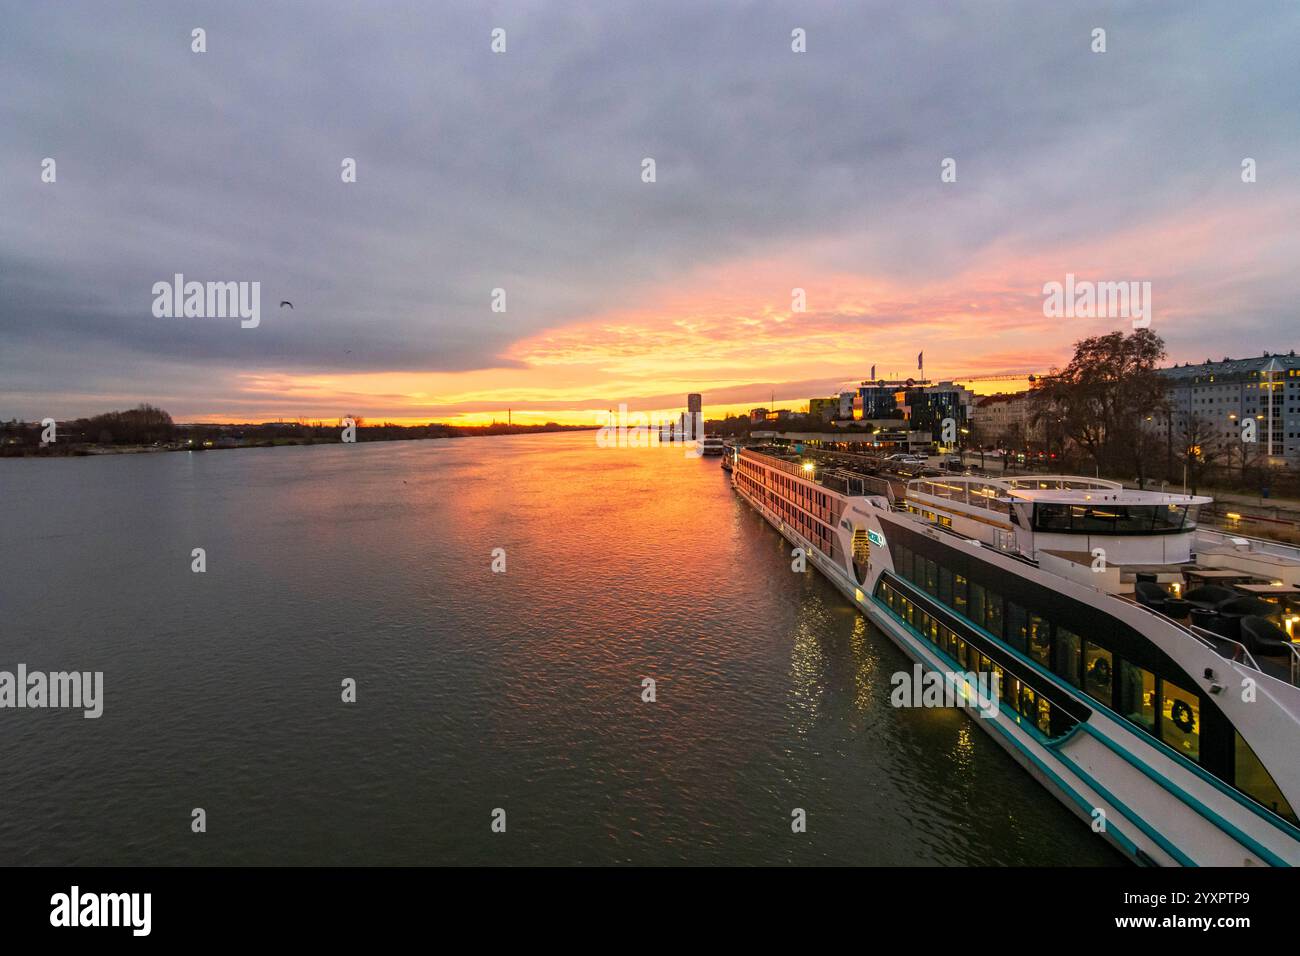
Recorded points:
1164,782
1158,838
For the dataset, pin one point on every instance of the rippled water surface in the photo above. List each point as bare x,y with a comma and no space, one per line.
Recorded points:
476,690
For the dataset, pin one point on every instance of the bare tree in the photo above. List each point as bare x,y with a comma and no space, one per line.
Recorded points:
1104,398
1200,447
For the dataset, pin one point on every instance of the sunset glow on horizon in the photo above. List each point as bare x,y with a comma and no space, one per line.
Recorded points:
730,333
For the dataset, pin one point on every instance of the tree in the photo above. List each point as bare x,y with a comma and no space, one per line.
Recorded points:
1246,456
1012,441
977,438
1200,446
1104,397
141,425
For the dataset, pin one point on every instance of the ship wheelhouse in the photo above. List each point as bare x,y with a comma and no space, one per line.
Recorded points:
1062,515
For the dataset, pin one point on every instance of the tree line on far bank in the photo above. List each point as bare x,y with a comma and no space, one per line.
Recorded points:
149,426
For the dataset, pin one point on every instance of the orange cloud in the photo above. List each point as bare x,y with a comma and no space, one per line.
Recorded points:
731,330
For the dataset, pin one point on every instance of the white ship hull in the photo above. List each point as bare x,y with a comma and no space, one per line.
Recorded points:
1148,801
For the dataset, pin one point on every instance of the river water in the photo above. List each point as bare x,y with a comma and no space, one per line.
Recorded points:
475,690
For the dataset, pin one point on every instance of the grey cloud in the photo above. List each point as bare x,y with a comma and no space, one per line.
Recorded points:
521,171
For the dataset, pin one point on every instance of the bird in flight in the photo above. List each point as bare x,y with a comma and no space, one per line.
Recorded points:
284,302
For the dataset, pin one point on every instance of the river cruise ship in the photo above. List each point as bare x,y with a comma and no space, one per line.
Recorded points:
1145,668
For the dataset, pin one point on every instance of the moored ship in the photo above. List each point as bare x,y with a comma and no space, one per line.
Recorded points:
1155,702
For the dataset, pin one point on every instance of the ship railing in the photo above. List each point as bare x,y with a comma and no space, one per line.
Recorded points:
1294,661
1234,650
1200,634
1226,647
975,495
874,485
1278,549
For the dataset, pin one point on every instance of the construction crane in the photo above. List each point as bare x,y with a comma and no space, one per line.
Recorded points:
1012,377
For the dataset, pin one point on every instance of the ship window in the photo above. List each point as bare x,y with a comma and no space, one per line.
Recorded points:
993,613
1017,626
931,576
1011,692
1067,655
945,586
976,603
1050,517
1137,695
1098,663
1253,780
1180,720
1040,640
1044,715
903,561
959,594
1036,708
1113,519
861,546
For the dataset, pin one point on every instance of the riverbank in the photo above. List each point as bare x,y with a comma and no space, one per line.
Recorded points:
228,437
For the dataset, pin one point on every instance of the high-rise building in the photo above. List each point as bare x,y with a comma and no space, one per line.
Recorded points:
918,402
695,403
928,405
881,399
1214,398
823,409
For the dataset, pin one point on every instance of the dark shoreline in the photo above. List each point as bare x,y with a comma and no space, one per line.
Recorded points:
95,450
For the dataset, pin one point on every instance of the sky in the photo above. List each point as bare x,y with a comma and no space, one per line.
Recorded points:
775,170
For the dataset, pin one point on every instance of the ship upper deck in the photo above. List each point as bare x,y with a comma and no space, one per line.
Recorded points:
1065,505
1115,496
1048,494
808,467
